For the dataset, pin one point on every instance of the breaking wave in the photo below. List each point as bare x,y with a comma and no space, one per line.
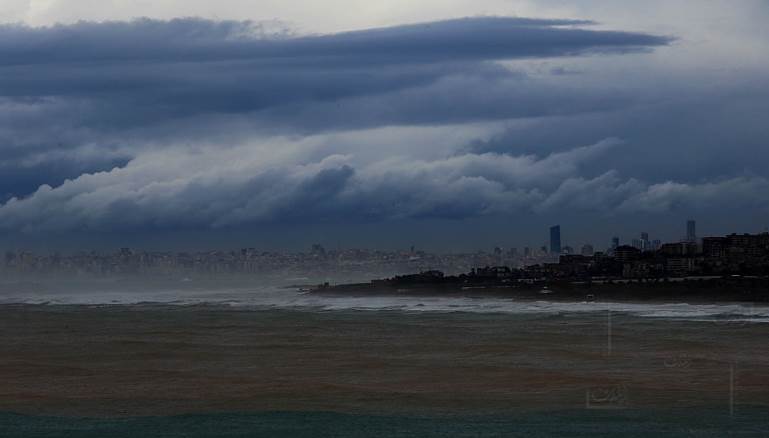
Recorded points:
275,297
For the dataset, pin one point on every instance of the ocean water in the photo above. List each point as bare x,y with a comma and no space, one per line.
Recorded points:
121,358
749,422
252,294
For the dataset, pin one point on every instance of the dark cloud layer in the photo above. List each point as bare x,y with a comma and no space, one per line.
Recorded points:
174,189
182,67
198,124
690,139
196,40
68,90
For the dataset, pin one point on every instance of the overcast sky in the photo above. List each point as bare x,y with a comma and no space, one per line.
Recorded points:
450,125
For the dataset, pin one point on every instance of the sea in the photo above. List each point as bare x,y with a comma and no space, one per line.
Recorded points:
272,294
456,335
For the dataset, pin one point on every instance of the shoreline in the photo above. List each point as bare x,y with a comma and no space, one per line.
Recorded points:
695,291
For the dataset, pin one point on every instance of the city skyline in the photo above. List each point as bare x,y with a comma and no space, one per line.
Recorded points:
716,257
642,240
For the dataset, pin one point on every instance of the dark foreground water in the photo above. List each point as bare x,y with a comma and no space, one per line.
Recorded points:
228,371
581,423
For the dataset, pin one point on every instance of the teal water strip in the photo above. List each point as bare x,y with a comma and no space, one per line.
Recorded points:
583,423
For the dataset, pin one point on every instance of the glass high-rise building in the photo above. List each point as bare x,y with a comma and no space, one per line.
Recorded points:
555,239
691,231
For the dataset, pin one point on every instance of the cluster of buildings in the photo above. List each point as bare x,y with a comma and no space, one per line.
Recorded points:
317,263
735,254
642,243
742,255
643,258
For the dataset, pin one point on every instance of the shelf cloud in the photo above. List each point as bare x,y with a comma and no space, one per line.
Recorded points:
212,189
210,124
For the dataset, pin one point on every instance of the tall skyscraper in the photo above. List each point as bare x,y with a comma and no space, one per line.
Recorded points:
614,243
555,240
645,244
691,231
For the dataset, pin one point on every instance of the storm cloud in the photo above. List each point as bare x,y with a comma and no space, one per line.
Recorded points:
70,90
207,124
148,71
212,189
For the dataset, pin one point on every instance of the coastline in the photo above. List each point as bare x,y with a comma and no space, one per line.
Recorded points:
692,291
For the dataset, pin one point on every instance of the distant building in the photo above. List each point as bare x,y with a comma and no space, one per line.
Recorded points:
587,250
527,251
679,249
691,231
646,245
627,253
679,265
715,247
492,272
318,250
750,245
567,250
555,239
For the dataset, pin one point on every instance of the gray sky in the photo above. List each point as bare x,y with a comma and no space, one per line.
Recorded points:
451,125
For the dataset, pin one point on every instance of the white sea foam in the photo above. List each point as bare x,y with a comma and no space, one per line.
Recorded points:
281,298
